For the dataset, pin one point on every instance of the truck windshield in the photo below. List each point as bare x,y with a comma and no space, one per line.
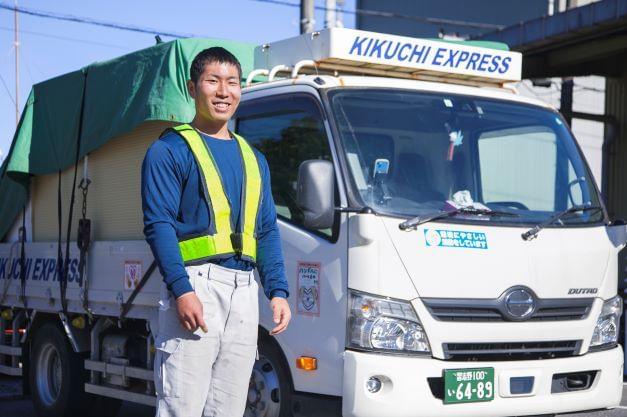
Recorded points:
412,153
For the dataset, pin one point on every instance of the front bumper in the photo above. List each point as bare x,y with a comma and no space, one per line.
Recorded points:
406,391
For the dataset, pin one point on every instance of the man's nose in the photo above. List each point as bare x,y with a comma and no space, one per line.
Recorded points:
223,90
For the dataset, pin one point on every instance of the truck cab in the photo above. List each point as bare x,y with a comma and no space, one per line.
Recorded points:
447,248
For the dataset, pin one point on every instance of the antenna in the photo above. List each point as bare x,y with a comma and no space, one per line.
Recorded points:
17,67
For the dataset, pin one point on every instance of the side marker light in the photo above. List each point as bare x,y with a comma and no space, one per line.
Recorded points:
307,363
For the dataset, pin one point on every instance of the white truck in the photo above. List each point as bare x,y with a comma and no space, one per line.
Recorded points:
447,249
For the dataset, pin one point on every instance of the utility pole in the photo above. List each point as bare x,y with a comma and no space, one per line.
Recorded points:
566,99
306,16
17,67
329,14
339,23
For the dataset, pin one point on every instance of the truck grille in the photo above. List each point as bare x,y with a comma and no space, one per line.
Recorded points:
510,351
465,310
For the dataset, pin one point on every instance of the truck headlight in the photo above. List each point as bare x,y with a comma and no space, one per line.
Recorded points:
383,324
605,333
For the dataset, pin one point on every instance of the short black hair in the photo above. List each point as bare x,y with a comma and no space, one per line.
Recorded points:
210,55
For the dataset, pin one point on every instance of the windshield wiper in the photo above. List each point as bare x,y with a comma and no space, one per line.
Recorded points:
416,221
533,232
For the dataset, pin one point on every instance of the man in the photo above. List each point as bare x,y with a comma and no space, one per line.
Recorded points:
209,218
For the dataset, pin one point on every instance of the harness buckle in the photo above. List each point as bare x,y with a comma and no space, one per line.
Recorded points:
237,241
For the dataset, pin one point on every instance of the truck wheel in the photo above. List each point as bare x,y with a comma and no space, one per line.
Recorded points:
270,390
57,376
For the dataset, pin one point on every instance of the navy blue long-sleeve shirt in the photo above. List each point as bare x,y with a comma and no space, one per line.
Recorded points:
174,206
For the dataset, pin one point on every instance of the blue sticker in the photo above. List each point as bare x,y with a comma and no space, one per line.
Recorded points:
456,239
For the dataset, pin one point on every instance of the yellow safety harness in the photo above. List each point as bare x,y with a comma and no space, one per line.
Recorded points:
221,240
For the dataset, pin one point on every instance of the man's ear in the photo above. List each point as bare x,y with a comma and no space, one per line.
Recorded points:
191,88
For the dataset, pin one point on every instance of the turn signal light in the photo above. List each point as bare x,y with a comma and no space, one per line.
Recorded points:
307,363
78,322
7,314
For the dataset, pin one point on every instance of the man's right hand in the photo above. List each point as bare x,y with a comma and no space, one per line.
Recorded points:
189,309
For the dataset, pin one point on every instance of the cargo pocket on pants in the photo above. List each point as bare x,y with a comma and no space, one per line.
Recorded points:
167,367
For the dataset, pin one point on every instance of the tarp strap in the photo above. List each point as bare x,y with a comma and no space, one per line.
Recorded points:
59,269
83,240
22,233
66,263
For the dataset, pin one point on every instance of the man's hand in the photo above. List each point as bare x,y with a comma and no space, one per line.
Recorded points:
281,313
189,309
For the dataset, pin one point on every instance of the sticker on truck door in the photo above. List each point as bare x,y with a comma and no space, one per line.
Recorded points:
455,239
308,281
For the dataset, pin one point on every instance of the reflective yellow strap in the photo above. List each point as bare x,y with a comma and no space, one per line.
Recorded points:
197,248
252,198
219,202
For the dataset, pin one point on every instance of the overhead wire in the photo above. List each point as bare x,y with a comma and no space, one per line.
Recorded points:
392,15
64,38
86,20
7,89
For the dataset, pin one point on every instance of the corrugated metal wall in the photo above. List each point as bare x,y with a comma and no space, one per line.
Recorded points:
616,105
114,201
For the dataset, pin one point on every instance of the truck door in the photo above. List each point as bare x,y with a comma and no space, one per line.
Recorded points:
289,129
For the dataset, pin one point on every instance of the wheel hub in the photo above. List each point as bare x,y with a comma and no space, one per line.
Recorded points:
264,399
49,373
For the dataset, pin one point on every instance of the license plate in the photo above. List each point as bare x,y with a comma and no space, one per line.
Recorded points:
468,385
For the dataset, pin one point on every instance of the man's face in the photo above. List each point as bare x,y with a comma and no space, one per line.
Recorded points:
217,92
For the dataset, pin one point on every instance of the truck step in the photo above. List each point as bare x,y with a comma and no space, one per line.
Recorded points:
121,394
121,370
10,350
10,370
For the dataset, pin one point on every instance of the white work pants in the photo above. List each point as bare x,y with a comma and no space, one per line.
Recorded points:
207,374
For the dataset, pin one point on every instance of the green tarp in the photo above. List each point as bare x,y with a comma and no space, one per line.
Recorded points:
118,95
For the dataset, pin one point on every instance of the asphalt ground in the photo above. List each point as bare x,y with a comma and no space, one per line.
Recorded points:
14,404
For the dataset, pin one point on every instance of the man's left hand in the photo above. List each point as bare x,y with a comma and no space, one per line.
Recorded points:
281,314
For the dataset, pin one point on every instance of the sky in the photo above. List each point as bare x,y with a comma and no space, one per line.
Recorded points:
48,47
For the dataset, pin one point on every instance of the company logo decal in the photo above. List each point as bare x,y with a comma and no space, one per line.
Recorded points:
456,239
519,303
574,291
38,269
444,56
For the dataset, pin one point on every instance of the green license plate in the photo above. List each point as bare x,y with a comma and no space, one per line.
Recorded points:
468,385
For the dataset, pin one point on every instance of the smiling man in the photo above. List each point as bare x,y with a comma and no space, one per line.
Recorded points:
210,219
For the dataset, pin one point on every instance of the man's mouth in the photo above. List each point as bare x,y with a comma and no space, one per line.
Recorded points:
222,106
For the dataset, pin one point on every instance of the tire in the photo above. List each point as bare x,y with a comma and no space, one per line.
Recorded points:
57,377
271,389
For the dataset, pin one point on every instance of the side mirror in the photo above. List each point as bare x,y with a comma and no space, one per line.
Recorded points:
315,193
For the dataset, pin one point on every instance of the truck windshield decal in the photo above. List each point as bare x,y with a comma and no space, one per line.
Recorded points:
455,239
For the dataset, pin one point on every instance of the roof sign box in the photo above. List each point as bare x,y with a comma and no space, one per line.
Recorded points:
361,51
